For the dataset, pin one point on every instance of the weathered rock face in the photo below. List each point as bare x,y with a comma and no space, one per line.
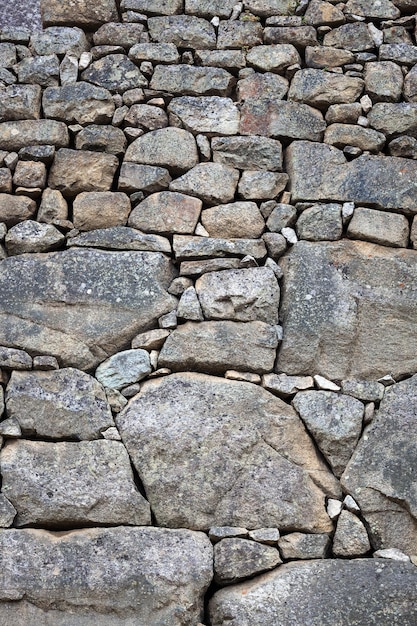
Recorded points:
58,307
67,483
75,171
215,347
206,464
328,592
384,182
145,575
79,103
62,404
348,310
78,12
380,473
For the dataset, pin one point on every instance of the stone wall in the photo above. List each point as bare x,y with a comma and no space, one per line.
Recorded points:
208,314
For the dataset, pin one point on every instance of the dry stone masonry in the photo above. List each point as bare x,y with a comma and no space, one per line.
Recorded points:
208,313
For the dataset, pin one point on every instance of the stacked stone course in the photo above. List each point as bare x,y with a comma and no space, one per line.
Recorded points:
208,330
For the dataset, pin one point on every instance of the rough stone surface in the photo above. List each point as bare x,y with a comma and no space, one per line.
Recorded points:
384,182
320,222
211,115
79,12
304,546
185,31
167,212
79,103
103,209
213,183
353,592
281,119
61,404
215,347
380,473
30,236
17,135
15,209
237,219
175,564
394,119
173,148
71,483
347,307
20,102
335,422
188,80
211,475
202,247
387,229
351,538
243,295
235,559
121,238
59,40
77,171
248,153
124,368
115,72
57,309
321,89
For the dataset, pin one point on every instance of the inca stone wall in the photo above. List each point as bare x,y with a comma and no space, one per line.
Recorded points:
208,313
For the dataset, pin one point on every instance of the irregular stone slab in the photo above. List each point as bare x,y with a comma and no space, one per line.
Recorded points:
321,89
321,13
154,52
75,171
243,295
261,185
394,119
7,512
196,268
56,308
185,31
235,559
368,391
124,368
321,57
17,135
201,247
42,71
281,119
103,209
248,153
79,12
156,7
387,182
335,422
189,80
383,81
74,484
206,464
284,386
265,8
262,87
20,102
60,404
15,209
116,34
399,53
144,177
234,220
320,222
355,592
239,34
30,236
120,238
213,183
14,359
341,135
172,570
115,72
350,538
275,58
348,310
374,9
355,37
59,40
102,138
209,8
304,546
215,347
211,115
173,148
7,55
146,116
387,229
380,474
79,103
299,36
166,212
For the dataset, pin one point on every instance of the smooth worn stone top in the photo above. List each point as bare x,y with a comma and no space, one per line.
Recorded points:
81,305
128,576
348,310
216,452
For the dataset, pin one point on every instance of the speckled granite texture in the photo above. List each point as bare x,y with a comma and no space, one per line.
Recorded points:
20,13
